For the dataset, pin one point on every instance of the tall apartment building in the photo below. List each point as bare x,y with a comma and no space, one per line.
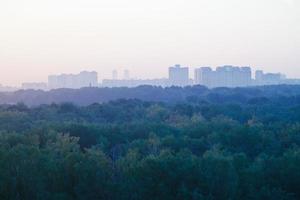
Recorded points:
246,76
262,78
204,76
179,76
75,81
224,76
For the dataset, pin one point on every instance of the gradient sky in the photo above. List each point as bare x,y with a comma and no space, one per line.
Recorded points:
41,37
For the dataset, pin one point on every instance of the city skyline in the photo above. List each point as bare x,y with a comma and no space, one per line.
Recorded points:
49,37
178,75
120,74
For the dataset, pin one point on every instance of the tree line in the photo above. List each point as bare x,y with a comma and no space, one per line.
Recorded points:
88,96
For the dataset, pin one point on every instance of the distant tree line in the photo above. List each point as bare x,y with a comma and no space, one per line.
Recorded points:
87,96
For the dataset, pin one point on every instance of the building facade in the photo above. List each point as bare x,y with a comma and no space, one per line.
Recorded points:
179,76
224,76
262,78
74,81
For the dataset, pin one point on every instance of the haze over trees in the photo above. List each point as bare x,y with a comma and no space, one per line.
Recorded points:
155,143
90,95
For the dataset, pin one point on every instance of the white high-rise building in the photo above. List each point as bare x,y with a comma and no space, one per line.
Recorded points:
204,76
225,76
83,79
262,78
179,76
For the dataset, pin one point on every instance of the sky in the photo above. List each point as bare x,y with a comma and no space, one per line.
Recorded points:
42,37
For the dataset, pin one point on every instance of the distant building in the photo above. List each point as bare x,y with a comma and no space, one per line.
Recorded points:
245,76
259,77
224,76
204,76
134,82
34,86
179,76
262,78
83,79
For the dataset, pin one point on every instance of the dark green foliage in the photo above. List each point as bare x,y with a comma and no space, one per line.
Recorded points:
233,144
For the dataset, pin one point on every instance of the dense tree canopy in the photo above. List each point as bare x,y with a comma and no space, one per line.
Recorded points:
208,148
191,94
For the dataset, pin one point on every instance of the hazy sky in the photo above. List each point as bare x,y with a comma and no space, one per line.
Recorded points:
41,37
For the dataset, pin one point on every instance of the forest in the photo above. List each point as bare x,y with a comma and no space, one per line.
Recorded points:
220,144
90,95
